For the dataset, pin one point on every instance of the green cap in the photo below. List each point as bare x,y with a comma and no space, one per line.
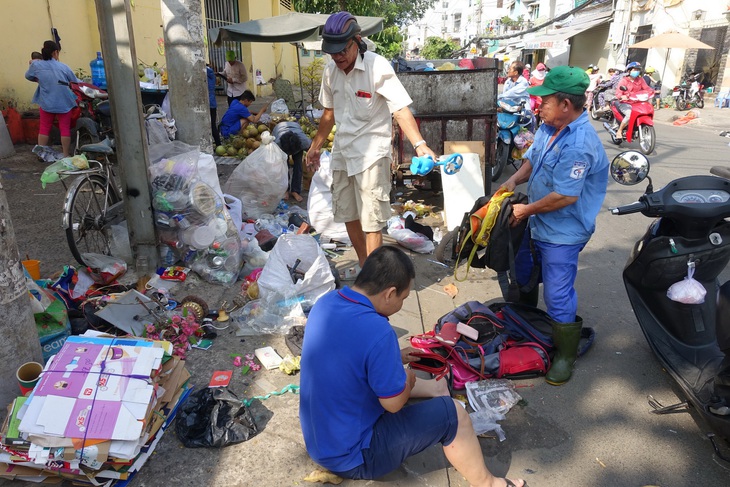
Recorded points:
563,79
230,56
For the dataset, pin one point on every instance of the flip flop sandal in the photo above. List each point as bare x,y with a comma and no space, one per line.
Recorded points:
350,274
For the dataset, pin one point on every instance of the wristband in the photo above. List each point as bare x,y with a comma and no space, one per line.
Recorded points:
419,144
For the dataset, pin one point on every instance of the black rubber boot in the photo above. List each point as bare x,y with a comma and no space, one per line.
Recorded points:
566,337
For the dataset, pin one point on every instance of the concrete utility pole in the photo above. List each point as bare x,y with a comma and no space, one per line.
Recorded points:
183,29
120,62
20,342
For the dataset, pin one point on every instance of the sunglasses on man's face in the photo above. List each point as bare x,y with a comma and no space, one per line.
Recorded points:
344,51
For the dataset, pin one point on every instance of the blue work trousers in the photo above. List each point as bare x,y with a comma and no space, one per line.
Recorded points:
559,268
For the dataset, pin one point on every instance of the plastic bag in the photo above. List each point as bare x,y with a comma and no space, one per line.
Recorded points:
274,314
75,163
193,223
120,246
486,420
214,418
260,181
408,238
316,277
104,269
319,204
279,106
51,318
688,290
493,394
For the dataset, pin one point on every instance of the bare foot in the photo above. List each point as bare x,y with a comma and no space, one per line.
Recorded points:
296,197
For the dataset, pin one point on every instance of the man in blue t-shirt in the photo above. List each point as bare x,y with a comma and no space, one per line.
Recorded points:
238,115
354,387
566,170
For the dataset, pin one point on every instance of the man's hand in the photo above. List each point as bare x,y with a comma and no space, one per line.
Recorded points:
508,185
425,150
406,357
519,213
313,155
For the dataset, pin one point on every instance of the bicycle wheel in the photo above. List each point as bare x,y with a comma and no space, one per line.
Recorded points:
85,216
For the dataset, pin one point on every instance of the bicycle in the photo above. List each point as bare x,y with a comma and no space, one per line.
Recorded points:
93,203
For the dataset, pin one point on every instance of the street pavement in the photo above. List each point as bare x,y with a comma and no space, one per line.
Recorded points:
596,430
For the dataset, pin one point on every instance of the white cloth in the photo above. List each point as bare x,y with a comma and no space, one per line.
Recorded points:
237,72
363,101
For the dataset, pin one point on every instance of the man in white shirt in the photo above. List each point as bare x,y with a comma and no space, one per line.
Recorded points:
360,92
236,77
515,88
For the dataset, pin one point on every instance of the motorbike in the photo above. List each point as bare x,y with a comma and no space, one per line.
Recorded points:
689,93
511,117
596,110
672,281
641,123
91,119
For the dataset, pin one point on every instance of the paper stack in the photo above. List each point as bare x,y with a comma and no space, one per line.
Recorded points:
96,414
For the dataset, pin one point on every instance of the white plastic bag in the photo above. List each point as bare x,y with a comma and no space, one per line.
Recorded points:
260,181
319,204
408,238
277,279
688,290
279,106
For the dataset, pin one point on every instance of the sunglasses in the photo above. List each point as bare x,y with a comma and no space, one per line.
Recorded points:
344,51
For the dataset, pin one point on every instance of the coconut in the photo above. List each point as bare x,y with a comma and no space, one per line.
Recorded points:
220,150
232,151
256,144
238,142
262,128
250,142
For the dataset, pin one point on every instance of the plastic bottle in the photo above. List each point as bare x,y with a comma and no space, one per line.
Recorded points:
98,73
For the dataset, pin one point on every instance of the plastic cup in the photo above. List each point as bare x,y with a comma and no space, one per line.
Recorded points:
33,267
202,237
28,375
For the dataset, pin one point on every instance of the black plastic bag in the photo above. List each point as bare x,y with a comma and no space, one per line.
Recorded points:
214,418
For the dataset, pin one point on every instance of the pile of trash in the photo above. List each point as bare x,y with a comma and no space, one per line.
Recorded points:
97,412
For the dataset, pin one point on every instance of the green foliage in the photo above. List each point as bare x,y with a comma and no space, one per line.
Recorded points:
82,74
438,48
395,13
389,42
312,80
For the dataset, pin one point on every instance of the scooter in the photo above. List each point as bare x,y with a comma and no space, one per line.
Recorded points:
91,119
689,93
681,256
596,110
641,123
511,117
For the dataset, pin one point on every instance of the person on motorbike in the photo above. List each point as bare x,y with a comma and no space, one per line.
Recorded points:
609,86
536,79
652,80
515,87
595,78
635,86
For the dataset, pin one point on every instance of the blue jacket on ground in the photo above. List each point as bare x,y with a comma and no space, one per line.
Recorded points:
231,121
50,95
350,358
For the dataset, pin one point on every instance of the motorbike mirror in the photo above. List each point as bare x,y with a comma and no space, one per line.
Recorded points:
629,168
623,88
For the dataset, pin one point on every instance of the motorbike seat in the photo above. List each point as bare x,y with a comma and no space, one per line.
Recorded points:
103,147
104,108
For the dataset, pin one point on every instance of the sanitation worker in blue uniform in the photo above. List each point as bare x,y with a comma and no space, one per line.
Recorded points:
566,170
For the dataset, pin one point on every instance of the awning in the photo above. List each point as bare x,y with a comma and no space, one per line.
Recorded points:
558,38
291,27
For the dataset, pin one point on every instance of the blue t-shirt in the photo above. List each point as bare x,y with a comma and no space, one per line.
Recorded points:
575,164
51,96
211,87
231,121
350,358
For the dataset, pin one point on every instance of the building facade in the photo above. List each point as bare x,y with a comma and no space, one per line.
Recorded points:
24,26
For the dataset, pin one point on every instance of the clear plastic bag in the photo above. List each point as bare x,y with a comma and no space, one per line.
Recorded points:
261,180
485,420
688,290
408,238
496,395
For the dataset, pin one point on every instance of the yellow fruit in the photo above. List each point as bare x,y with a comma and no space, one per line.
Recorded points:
220,150
232,151
262,128
331,137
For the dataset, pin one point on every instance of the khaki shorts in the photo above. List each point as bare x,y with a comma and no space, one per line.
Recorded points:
364,196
